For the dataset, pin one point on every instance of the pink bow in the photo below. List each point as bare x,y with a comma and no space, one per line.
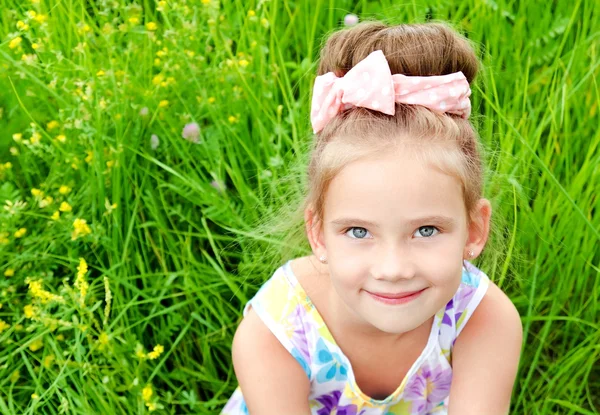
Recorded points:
370,84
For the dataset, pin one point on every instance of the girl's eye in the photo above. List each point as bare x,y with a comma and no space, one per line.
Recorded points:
425,231
357,235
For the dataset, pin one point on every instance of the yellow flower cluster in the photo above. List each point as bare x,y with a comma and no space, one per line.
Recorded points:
20,232
81,229
36,345
3,326
80,283
36,290
31,311
154,354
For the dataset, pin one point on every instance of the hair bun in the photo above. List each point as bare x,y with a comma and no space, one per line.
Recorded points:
421,49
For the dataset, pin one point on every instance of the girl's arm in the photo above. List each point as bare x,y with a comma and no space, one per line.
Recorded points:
271,380
485,358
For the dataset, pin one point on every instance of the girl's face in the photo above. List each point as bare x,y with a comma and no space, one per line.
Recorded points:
393,224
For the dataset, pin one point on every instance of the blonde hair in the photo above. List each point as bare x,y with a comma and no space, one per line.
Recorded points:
448,141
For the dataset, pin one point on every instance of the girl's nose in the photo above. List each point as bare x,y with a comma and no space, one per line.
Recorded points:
394,263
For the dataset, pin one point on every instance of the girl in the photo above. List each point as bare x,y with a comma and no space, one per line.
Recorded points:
370,323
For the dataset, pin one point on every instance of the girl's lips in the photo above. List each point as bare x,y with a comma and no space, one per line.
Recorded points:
395,296
394,301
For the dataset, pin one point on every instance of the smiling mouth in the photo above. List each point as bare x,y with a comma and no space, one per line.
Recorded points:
395,296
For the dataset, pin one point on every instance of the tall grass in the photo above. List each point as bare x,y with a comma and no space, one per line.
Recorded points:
95,98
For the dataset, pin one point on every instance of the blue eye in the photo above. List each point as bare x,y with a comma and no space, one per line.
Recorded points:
425,231
359,234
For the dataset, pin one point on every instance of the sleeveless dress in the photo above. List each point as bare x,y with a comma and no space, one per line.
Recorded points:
285,308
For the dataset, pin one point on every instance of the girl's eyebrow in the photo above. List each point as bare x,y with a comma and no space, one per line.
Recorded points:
443,221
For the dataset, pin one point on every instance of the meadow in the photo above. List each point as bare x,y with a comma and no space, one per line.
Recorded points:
147,149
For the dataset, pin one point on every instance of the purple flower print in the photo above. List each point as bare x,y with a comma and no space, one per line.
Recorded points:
462,299
447,320
296,320
428,388
330,402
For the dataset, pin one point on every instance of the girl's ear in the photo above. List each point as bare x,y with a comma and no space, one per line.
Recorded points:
314,232
479,228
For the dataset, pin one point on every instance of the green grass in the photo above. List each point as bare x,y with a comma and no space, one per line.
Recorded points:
180,254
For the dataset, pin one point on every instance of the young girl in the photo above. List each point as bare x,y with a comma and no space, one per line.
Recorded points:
388,316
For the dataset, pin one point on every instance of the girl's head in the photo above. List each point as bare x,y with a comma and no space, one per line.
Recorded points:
415,175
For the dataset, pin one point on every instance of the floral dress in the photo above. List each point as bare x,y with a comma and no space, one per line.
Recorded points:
289,313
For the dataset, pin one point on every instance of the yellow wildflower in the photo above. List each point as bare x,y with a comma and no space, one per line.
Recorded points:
243,63
17,137
52,125
35,138
163,103
46,201
35,46
139,351
161,5
36,345
264,22
31,14
232,119
110,163
22,25
48,360
35,396
37,192
15,42
205,1
63,190
151,406
55,215
65,207
211,100
40,18
14,151
9,272
80,283
147,393
36,290
100,73
61,138
60,337
134,20
3,325
151,26
103,339
158,349
251,13
20,232
30,311
90,156
81,228
157,79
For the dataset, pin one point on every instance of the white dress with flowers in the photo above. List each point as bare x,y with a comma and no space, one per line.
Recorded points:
288,312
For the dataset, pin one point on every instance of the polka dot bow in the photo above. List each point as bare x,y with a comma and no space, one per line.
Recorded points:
370,84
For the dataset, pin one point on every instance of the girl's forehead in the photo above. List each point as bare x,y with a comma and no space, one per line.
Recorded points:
394,186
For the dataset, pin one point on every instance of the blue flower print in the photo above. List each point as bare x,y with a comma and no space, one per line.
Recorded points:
244,408
334,367
300,359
